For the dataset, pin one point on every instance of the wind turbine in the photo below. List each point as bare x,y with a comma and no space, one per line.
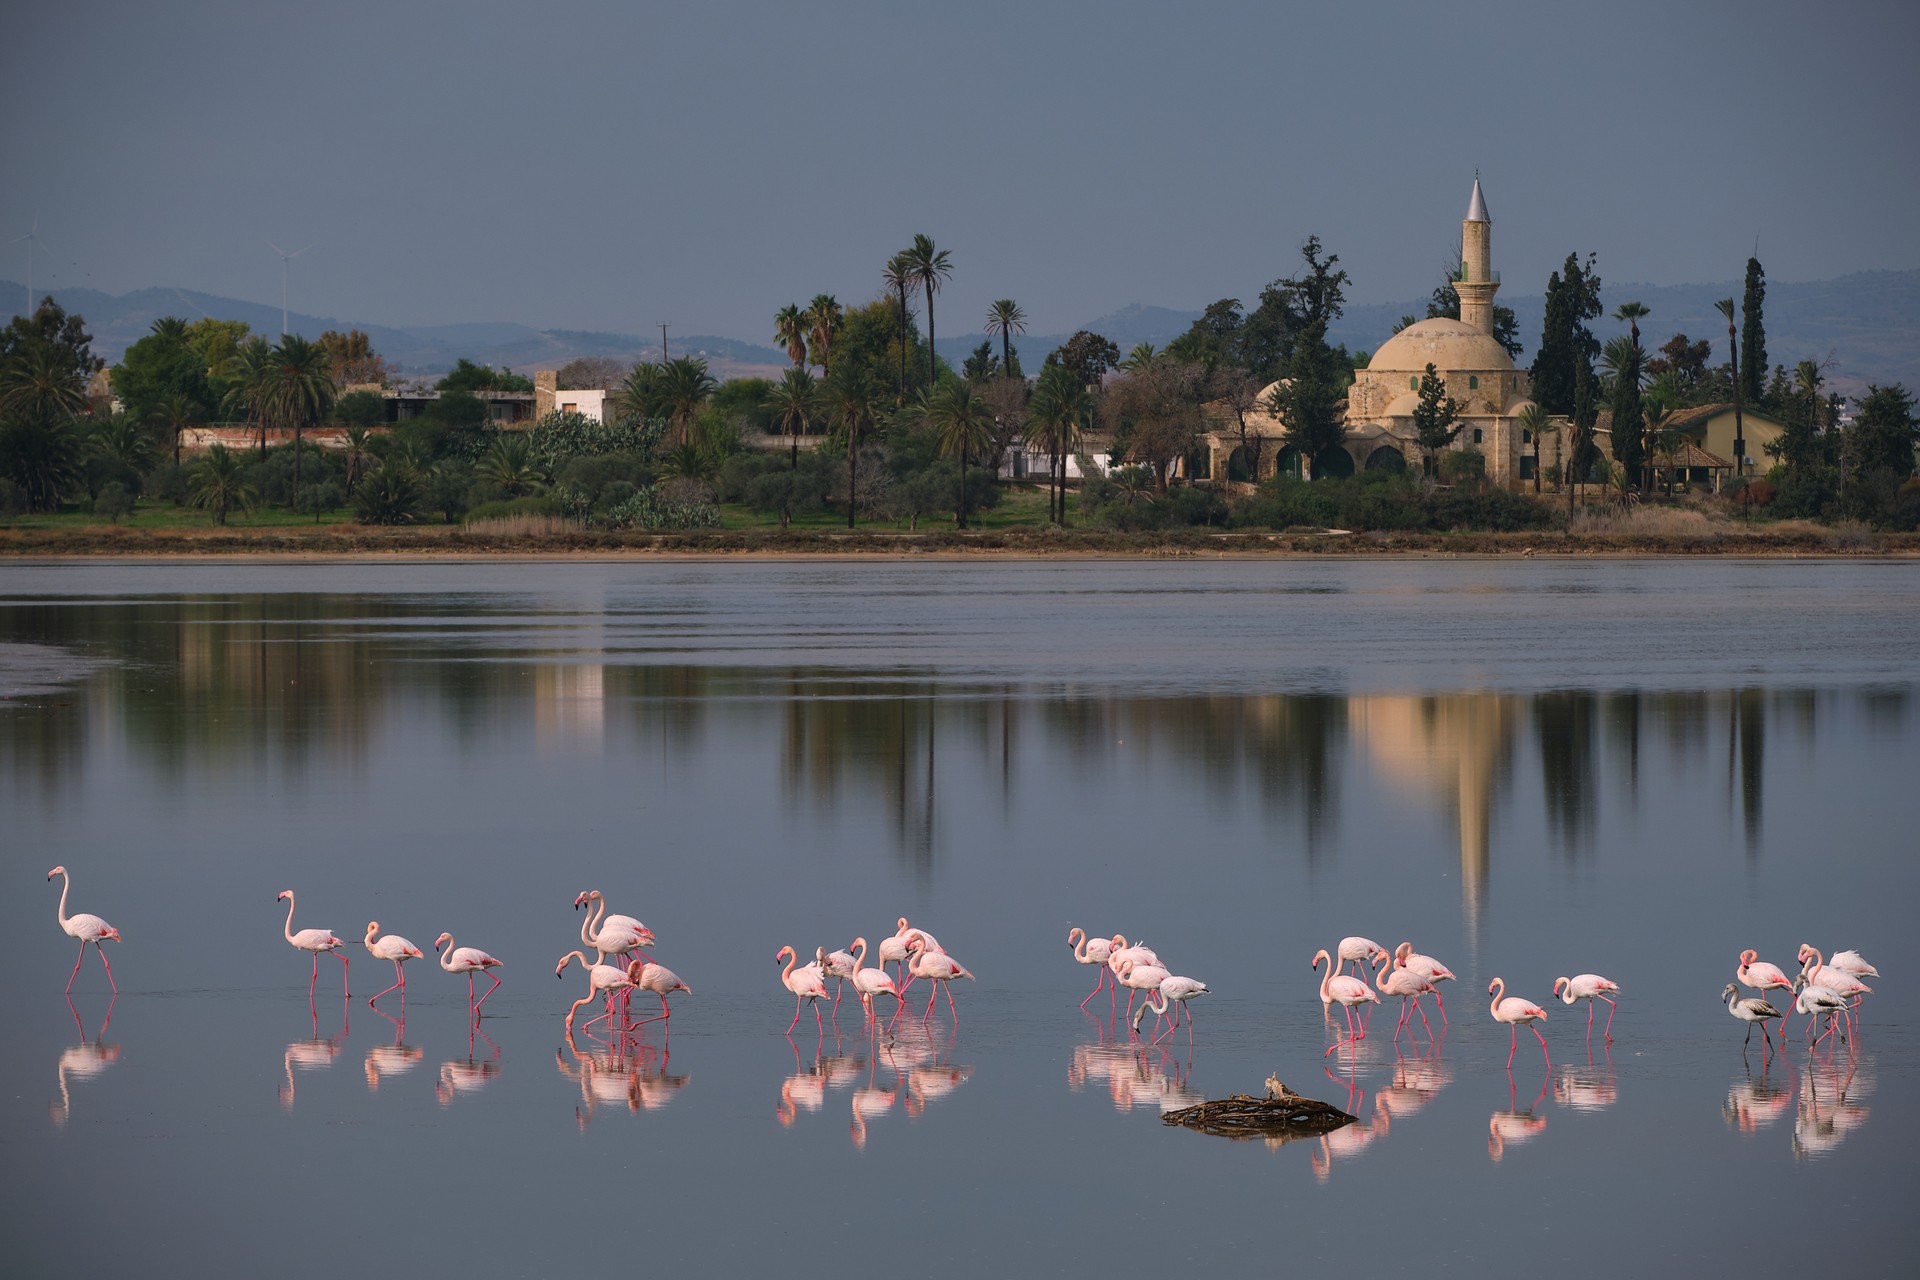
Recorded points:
31,239
285,258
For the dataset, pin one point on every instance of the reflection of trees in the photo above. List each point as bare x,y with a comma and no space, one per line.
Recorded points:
1746,743
1563,725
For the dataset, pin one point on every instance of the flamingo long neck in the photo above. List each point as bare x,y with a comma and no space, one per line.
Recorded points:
786,974
575,955
1080,952
1326,979
590,927
1499,990
859,955
288,930
446,957
1380,971
1816,964
60,912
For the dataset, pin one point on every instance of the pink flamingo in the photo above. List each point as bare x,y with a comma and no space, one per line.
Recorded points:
1408,985
1589,987
868,983
894,950
1831,976
1347,992
1758,974
1427,967
602,981
601,919
1854,963
837,965
1750,1011
87,928
614,936
644,975
806,983
316,941
938,967
1120,953
1141,975
467,960
1359,951
1513,1011
1093,951
1813,999
1175,991
392,947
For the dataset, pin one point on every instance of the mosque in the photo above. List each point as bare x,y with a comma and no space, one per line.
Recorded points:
1476,369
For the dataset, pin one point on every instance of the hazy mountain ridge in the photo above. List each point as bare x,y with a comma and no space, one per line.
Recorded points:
1867,324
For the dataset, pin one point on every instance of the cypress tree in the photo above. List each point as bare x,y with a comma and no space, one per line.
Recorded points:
1753,336
1435,418
1573,298
1629,432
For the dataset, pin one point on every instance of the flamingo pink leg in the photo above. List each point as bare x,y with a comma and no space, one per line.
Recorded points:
1098,982
1513,1042
1612,1008
796,1014
1543,1045
1443,1006
483,999
399,980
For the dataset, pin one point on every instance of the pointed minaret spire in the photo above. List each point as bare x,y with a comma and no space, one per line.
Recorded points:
1477,207
1476,284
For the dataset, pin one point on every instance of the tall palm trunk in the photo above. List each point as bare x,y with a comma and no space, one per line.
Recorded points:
902,397
853,454
963,450
933,360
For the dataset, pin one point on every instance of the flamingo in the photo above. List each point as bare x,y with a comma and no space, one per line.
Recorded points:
1814,999
1120,954
868,983
316,941
1750,1011
1348,992
935,966
807,983
467,960
1830,976
602,980
1513,1011
616,936
1758,974
392,947
1589,987
1408,985
1854,963
1091,951
87,928
644,975
601,919
894,950
1360,951
1139,975
837,965
1427,967
1176,991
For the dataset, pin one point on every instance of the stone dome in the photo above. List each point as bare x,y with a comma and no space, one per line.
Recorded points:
1450,346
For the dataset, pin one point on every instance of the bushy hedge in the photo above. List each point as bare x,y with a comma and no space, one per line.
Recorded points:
1384,501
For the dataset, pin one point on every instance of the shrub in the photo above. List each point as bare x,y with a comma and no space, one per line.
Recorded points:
317,499
360,409
541,504
113,502
649,509
390,494
447,488
557,438
12,499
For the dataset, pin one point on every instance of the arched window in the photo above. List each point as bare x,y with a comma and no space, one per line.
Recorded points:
1473,382
1526,437
1413,384
1476,435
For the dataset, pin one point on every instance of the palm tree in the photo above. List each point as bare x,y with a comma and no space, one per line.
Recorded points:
1632,313
173,416
793,402
1134,485
684,386
929,268
219,485
1806,377
962,424
124,440
1725,308
639,393
43,454
1059,405
357,455
301,390
250,372
1006,318
852,399
824,321
1663,438
790,331
899,277
1536,422
1140,357
38,382
508,463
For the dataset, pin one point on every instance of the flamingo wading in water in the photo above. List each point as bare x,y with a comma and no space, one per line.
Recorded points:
1589,987
1093,951
1513,1011
602,980
1751,1010
1758,974
937,967
868,983
392,947
467,960
645,975
806,983
316,941
1405,957
1338,988
1394,980
86,927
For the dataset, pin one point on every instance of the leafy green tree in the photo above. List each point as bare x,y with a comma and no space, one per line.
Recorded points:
1088,356
300,391
790,331
69,360
1060,407
468,376
114,502
1753,334
852,398
684,385
1156,414
983,363
162,367
365,409
1214,339
1799,445
219,484
250,386
1623,358
962,427
1308,400
1882,437
825,319
929,268
1436,422
43,455
793,401
124,442
1005,318
1566,343
352,361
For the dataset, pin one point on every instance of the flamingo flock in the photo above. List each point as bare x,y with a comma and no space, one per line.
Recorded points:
1136,967
1823,988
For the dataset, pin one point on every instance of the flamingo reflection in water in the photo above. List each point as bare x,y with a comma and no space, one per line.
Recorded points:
619,1072
1416,1081
1586,1088
84,1061
1751,1104
1349,1141
315,1053
1513,1126
1135,1075
1829,1104
871,1101
459,1078
394,1059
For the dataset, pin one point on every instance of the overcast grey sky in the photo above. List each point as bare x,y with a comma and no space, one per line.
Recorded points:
610,165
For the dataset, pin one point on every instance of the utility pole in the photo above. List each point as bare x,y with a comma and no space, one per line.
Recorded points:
663,340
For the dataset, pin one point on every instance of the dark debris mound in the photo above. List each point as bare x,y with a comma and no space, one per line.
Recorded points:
1276,1116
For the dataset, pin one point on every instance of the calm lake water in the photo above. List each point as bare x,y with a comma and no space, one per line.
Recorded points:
1637,768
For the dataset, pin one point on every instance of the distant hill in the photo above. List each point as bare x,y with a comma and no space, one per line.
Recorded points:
1867,325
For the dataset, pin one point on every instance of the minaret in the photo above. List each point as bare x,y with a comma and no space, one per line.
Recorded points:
1477,283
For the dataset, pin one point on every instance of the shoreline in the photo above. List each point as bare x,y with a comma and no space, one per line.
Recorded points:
452,544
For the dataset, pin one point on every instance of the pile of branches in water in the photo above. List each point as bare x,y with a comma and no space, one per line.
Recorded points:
1282,1115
